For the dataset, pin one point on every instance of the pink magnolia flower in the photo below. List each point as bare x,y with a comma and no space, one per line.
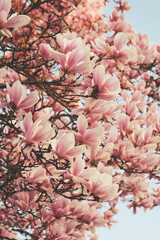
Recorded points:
93,218
17,97
100,185
78,171
86,135
100,47
108,216
74,55
37,175
13,21
96,108
75,61
45,51
123,6
102,154
24,199
125,150
148,161
131,109
141,86
60,207
123,121
108,86
136,184
145,137
64,146
69,41
121,52
35,132
21,200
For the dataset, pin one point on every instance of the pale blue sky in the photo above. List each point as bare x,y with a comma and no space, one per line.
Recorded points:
145,18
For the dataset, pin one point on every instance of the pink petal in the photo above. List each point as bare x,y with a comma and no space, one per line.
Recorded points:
99,75
3,17
92,137
131,54
37,174
65,143
60,41
5,5
148,134
27,122
29,101
44,134
78,166
45,51
17,21
76,151
76,56
59,57
110,193
123,121
120,41
83,68
82,124
15,92
101,44
113,84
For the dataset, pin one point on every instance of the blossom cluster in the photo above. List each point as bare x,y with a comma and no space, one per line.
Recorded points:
79,118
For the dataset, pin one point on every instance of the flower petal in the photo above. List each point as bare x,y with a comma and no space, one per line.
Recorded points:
5,5
17,21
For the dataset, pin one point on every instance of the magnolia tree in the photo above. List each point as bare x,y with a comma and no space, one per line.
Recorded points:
79,118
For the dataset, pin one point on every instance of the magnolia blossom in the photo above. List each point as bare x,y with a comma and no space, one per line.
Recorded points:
74,55
35,132
69,41
145,138
87,135
75,61
108,86
123,121
23,199
137,185
64,146
36,175
100,47
121,52
45,51
60,207
79,173
13,21
100,185
17,97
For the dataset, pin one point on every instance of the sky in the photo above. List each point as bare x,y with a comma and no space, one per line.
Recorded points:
145,18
